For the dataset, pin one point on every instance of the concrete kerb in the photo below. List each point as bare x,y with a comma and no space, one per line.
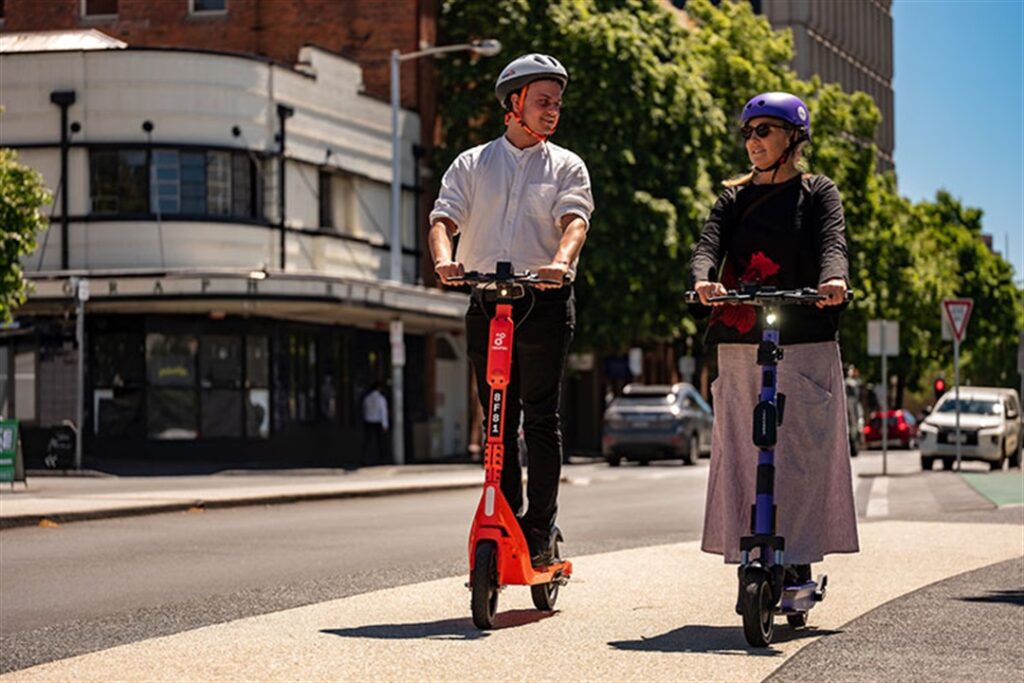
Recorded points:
106,509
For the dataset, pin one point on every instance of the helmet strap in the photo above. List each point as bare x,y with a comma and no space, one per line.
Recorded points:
516,114
774,168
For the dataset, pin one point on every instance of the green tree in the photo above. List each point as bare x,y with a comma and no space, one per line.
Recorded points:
640,119
652,108
22,194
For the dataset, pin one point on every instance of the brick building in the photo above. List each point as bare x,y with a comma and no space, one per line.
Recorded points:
221,171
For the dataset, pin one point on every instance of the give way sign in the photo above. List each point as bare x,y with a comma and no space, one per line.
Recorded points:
958,312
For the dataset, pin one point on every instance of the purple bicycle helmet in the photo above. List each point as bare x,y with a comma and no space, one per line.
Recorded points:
779,105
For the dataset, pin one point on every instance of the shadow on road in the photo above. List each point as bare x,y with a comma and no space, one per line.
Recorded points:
445,629
719,640
1012,597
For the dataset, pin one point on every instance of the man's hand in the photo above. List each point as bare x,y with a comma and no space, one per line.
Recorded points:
448,271
834,290
705,290
553,275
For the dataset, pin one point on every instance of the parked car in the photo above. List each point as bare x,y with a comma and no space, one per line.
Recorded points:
990,428
655,422
902,429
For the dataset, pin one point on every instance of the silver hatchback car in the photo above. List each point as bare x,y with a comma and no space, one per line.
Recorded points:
655,422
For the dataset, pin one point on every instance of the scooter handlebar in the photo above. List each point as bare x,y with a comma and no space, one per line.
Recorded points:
765,296
475,277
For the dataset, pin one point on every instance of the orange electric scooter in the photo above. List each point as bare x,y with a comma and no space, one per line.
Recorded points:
498,553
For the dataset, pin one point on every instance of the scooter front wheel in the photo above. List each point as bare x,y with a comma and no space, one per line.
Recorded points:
484,582
545,594
758,612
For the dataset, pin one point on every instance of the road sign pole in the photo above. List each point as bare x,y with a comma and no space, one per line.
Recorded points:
885,404
956,378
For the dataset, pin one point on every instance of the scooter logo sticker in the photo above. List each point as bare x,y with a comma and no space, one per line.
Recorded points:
499,340
496,406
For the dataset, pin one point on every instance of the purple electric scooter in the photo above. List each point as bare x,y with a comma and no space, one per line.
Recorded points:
763,588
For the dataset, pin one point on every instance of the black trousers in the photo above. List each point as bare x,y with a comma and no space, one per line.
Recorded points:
374,452
544,326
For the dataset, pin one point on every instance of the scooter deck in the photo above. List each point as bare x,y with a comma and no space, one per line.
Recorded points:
802,597
495,521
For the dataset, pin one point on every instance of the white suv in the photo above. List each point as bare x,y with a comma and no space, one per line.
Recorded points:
990,428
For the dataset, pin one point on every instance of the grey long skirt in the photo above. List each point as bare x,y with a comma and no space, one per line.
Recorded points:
813,485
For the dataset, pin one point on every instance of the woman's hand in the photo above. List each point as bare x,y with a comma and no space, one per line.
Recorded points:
834,290
706,290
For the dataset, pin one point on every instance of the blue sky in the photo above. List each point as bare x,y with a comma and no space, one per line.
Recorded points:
959,95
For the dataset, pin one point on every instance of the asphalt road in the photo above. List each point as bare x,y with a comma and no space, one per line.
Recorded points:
93,585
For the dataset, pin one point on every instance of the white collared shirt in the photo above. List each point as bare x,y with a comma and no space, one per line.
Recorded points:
508,203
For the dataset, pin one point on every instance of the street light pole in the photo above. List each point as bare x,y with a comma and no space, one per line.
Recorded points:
486,48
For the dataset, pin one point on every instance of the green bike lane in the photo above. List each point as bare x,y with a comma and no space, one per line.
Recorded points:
654,613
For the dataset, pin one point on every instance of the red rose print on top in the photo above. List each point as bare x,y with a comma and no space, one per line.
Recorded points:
760,270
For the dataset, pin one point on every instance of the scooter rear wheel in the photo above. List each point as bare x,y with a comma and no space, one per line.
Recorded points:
484,582
758,612
545,594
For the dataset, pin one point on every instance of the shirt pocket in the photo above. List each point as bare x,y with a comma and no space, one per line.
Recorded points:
540,202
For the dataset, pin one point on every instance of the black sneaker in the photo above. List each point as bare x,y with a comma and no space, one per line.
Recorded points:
542,544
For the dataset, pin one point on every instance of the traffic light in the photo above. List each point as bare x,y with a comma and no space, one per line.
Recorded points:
940,387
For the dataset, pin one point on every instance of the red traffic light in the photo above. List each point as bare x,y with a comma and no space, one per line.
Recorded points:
940,385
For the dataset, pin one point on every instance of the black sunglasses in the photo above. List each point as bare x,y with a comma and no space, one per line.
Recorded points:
763,130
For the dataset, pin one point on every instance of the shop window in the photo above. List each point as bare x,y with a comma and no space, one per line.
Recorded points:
171,401
118,412
257,382
119,181
118,360
302,366
222,413
119,376
220,364
171,414
220,372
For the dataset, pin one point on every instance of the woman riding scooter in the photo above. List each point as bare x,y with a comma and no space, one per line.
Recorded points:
780,227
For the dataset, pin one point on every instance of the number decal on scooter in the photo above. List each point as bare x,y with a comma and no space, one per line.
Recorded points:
496,413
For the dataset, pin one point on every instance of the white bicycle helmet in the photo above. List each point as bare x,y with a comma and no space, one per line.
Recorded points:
525,70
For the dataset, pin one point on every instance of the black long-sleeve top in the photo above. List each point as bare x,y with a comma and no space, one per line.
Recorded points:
788,235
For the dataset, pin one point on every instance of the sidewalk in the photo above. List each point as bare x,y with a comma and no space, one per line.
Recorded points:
670,621
74,498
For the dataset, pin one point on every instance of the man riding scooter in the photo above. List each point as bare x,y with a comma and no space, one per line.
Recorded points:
524,200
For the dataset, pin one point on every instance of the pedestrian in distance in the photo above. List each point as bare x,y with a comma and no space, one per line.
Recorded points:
375,426
778,226
521,199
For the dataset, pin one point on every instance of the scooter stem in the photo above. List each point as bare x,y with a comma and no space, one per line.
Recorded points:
499,372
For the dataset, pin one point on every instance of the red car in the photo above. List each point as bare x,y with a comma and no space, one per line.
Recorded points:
902,429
